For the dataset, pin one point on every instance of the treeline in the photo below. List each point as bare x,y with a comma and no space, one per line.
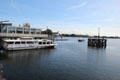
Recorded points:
73,35
50,32
47,31
78,35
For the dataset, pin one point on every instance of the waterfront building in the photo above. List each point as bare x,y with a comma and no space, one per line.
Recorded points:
25,30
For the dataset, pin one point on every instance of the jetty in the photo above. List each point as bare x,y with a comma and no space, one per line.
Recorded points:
97,42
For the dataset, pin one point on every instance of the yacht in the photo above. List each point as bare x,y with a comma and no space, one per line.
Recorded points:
27,43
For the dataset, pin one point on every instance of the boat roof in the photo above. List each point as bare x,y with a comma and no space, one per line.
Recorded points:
13,40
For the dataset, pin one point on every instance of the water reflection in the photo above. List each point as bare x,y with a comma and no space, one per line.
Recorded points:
97,60
96,56
3,55
27,54
24,62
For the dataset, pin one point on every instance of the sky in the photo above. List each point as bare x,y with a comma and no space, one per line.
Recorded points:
65,16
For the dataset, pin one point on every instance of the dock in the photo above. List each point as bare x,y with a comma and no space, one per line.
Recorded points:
97,42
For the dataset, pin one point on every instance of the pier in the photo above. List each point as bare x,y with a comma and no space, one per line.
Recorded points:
97,42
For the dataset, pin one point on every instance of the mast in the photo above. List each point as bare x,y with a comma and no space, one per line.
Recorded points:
98,32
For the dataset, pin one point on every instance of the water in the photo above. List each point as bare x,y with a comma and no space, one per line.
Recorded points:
70,60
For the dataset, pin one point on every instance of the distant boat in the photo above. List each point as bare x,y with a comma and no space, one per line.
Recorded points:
81,40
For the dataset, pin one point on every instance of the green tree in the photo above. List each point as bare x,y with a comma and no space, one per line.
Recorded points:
47,31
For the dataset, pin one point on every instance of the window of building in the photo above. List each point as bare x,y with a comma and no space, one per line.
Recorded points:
4,29
26,30
11,29
19,30
33,31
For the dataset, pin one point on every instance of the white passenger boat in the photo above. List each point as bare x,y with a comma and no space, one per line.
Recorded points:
27,43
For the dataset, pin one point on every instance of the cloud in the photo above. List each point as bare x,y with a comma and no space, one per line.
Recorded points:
22,7
14,5
78,6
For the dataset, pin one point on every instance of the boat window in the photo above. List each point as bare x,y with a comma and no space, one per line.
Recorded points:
22,42
29,42
48,42
17,42
10,42
44,43
40,42
51,42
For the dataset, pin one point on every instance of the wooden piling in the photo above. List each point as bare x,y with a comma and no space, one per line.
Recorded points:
97,42
1,73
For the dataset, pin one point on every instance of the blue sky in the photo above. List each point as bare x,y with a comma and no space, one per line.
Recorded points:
65,16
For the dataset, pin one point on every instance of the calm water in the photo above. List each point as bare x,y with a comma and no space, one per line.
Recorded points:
70,60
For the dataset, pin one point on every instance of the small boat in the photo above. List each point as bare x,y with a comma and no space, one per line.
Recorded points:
81,40
27,43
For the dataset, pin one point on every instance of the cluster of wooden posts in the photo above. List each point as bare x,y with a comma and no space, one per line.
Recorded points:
97,42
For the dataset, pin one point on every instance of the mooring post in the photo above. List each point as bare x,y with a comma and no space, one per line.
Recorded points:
97,42
1,73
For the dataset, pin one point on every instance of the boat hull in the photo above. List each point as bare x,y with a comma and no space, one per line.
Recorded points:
25,48
21,44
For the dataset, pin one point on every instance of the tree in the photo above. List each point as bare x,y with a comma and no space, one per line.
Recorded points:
47,31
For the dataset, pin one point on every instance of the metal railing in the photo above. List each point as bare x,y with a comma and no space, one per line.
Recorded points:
22,35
